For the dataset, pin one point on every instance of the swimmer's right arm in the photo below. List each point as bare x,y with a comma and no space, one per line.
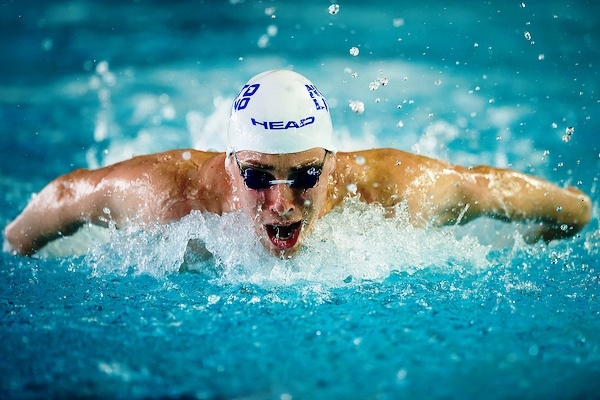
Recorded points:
60,209
141,190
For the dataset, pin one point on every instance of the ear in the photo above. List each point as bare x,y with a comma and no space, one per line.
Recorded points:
232,169
230,166
330,163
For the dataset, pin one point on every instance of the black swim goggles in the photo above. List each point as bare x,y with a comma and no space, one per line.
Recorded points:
299,178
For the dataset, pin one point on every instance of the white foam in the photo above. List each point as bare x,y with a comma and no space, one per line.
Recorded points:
353,243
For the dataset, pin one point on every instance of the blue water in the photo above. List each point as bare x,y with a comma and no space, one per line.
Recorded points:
371,308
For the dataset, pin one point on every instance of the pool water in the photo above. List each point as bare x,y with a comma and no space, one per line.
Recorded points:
371,308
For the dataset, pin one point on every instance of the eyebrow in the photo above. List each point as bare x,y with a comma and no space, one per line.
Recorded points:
268,167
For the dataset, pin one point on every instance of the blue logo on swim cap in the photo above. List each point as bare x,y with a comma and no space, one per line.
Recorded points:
283,124
317,97
244,97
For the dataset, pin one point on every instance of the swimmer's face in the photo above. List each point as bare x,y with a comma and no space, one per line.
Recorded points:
283,194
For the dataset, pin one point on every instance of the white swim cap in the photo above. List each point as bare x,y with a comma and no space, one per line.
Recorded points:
279,112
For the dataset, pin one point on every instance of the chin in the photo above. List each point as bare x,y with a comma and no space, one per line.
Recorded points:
284,254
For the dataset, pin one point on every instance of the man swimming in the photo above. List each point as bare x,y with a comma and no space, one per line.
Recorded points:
281,169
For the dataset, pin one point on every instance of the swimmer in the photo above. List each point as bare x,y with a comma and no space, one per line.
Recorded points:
282,170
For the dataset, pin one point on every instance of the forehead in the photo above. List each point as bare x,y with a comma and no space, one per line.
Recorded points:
281,161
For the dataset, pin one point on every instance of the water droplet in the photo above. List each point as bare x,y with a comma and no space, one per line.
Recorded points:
352,188
400,124
527,35
102,67
568,133
47,44
334,9
373,85
438,82
534,350
186,155
270,11
554,125
263,41
564,227
360,160
559,209
541,57
357,106
354,51
398,22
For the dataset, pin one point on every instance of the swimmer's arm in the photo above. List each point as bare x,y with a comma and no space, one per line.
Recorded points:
513,196
141,190
60,209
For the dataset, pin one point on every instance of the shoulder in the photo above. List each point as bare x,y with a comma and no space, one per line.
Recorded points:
387,156
169,184
172,162
398,164
171,157
167,172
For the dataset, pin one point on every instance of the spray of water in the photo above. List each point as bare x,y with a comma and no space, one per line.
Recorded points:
353,244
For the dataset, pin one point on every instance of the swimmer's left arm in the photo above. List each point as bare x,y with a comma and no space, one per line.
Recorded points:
514,196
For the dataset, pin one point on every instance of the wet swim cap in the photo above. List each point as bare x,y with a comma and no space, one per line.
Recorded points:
278,112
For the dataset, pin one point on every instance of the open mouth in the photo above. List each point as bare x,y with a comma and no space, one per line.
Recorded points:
284,236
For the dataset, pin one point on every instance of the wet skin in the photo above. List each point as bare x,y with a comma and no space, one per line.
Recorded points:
282,214
164,187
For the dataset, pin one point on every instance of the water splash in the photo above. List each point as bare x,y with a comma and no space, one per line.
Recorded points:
352,244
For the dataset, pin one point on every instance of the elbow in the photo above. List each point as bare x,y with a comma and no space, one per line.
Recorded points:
576,220
17,241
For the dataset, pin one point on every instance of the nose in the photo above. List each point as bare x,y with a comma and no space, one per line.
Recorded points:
282,200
